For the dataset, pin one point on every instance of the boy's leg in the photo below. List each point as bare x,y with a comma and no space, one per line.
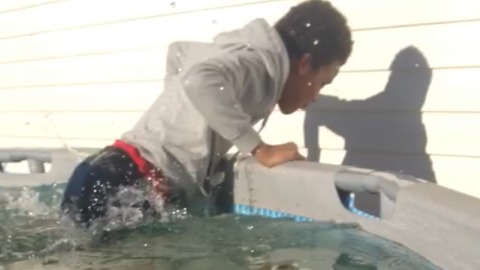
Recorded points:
95,180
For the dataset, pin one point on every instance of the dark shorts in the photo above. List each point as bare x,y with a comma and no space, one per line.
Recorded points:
96,180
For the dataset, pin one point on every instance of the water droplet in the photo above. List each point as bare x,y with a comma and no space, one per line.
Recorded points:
221,88
307,24
309,84
315,42
173,5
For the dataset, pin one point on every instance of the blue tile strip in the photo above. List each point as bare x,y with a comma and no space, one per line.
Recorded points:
248,210
256,211
351,207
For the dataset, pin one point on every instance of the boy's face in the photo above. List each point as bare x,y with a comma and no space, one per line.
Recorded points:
304,83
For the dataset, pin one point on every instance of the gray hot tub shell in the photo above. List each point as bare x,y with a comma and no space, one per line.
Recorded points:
438,223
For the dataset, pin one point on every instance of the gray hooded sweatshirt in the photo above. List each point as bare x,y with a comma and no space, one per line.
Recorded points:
213,95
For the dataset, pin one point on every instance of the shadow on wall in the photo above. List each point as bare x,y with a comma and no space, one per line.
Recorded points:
385,131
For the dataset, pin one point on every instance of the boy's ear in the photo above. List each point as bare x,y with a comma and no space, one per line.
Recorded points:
304,64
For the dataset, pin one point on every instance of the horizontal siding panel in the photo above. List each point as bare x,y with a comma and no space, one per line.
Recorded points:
8,142
96,97
367,14
405,90
155,35
401,134
80,125
432,133
68,14
135,35
71,14
375,50
125,67
19,5
369,91
148,64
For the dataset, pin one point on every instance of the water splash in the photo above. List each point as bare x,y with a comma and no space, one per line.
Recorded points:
32,225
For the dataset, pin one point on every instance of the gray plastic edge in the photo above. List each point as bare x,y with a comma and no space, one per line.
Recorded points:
439,224
63,162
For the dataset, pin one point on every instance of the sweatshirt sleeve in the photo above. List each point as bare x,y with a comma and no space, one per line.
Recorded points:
215,87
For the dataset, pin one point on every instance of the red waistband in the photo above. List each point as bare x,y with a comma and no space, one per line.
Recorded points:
143,166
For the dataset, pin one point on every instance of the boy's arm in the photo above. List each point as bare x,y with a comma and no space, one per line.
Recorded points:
215,88
211,87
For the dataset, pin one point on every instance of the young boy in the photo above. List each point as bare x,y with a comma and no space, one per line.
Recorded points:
214,93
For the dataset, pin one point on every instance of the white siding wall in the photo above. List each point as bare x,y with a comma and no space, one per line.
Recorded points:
80,72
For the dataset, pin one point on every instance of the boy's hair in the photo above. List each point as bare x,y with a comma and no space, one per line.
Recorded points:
318,28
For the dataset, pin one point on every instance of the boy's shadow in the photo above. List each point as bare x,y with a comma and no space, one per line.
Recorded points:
383,132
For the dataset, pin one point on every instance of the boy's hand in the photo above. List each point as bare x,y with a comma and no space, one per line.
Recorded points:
273,155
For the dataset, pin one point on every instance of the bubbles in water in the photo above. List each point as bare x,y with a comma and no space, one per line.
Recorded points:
307,24
315,42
